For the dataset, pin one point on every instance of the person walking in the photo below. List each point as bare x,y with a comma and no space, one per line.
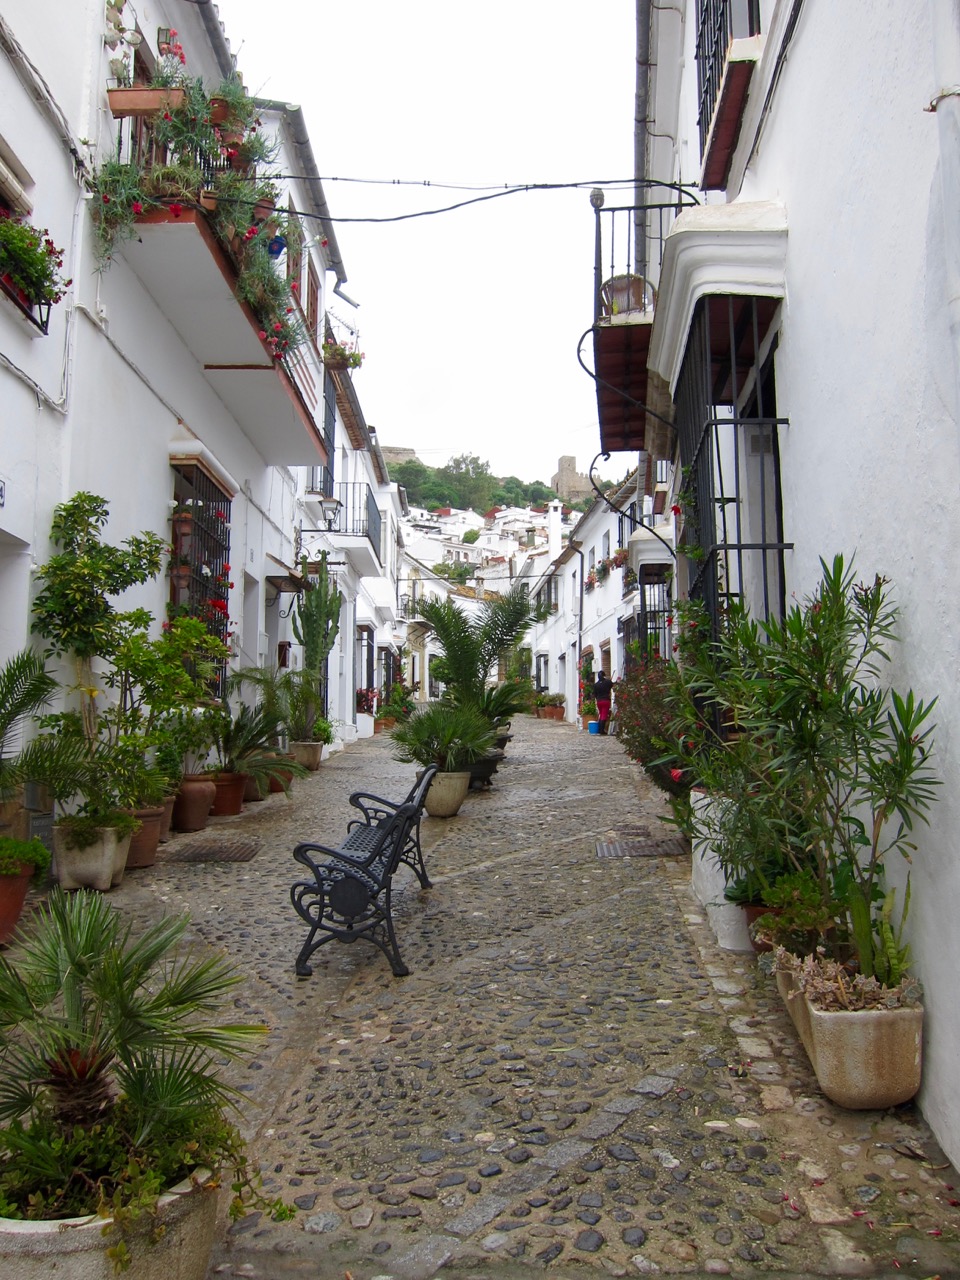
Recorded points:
602,693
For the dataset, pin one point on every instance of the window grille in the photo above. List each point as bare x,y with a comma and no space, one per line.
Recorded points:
200,571
719,22
729,447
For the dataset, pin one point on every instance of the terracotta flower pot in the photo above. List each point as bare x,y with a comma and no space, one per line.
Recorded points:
252,791
194,802
13,893
143,843
142,100
228,800
167,819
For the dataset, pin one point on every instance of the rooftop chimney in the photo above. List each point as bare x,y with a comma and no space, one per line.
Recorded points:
554,522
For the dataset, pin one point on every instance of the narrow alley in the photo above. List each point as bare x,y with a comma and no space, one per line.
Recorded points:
572,1078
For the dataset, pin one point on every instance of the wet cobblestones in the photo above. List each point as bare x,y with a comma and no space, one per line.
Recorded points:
573,1078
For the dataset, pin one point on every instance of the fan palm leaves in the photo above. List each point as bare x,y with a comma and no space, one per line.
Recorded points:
91,1012
471,647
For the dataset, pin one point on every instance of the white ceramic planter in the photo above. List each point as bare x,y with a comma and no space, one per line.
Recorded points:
76,1247
99,866
727,920
864,1060
446,794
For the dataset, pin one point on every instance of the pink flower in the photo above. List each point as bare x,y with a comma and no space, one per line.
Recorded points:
176,210
106,198
676,774
676,510
167,115
137,207
278,327
262,335
294,285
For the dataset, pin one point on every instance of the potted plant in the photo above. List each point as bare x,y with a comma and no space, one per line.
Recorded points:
166,92
450,737
244,745
113,1097
341,355
31,265
20,861
588,712
818,763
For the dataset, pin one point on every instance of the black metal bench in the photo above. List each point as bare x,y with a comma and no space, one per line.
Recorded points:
362,831
349,895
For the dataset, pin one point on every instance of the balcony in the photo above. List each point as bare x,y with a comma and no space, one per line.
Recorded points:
356,529
191,277
729,45
633,408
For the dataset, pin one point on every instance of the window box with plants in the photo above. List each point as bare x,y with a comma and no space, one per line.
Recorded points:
165,93
31,269
815,795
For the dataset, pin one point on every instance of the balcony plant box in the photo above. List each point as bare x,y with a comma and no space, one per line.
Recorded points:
143,100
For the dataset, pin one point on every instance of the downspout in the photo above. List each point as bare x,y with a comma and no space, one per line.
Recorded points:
640,122
577,547
945,24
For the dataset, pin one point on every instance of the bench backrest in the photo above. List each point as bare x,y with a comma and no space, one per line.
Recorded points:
418,792
391,837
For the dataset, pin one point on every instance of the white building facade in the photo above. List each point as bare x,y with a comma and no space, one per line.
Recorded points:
802,237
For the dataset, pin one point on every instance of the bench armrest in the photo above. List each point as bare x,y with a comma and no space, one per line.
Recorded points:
373,808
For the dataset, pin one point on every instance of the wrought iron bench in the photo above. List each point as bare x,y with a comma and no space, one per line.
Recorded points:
349,895
362,831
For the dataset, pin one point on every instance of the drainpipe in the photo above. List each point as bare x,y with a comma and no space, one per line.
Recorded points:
945,24
641,109
578,548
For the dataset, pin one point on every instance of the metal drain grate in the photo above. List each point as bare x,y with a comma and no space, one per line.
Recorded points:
212,849
671,847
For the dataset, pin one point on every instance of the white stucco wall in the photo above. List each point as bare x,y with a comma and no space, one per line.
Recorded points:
867,377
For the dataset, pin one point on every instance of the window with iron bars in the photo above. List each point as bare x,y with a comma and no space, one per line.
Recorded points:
200,553
548,596
719,22
729,434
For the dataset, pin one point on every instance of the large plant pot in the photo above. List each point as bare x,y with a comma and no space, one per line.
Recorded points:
228,797
141,100
13,894
143,843
281,782
866,1059
167,819
76,1248
309,754
447,793
194,802
100,866
252,791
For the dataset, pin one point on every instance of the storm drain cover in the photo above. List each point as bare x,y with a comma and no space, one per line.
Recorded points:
670,847
212,849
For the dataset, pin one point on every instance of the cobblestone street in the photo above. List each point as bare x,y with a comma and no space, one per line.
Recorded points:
572,1078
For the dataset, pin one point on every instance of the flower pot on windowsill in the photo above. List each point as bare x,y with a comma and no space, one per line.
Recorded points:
143,100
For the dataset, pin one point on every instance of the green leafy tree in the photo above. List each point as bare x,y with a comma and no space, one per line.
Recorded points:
470,481
454,571
73,609
470,537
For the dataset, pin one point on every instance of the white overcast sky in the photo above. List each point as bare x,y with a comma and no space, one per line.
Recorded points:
470,319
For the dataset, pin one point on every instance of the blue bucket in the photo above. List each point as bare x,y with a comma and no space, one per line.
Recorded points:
593,726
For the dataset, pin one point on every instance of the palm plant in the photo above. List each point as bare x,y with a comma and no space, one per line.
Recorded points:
244,743
450,737
472,647
110,1048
